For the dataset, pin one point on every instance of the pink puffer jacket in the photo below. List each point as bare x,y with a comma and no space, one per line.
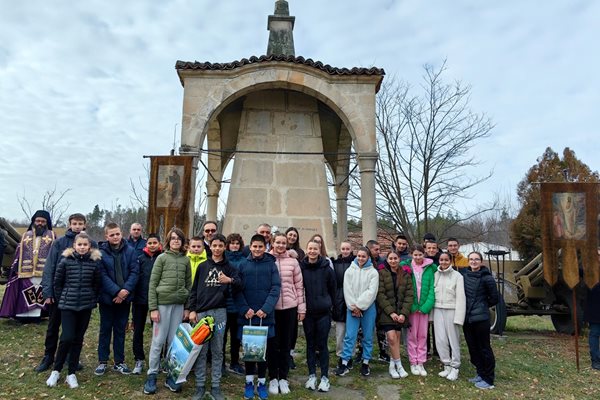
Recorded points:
292,288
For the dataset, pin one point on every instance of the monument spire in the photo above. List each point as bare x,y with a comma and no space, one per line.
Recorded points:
281,31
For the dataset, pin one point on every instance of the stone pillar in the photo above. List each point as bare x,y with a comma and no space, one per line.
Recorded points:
367,163
271,181
341,194
215,171
212,199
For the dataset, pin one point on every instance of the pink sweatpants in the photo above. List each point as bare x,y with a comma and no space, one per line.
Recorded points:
417,338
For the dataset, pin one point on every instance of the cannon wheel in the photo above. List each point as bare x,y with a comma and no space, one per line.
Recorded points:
498,317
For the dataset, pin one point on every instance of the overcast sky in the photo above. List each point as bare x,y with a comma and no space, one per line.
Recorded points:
89,87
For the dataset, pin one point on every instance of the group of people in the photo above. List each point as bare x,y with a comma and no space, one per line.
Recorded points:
272,281
394,298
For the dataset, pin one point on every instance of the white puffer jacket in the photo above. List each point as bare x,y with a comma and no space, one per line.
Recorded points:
450,293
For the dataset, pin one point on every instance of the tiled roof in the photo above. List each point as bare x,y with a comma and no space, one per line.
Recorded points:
188,65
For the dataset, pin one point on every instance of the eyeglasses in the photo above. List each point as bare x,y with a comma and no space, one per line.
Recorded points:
210,230
474,259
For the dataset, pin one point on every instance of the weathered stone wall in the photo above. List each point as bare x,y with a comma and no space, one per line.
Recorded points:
281,189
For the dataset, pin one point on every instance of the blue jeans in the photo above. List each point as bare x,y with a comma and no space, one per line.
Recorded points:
113,321
594,341
367,323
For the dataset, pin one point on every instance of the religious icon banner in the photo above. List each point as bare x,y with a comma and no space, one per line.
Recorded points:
169,193
570,224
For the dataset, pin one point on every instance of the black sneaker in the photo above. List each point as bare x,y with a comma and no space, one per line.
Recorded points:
172,386
350,364
358,358
292,363
237,369
341,371
150,384
384,357
340,363
365,370
45,364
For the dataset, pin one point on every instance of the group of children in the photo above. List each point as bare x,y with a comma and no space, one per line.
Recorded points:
274,283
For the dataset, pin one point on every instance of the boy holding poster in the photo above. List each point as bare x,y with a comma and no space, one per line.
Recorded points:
209,297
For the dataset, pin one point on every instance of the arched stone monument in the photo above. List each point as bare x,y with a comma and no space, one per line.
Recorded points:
282,119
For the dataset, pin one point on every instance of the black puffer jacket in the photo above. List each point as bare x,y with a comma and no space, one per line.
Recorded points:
481,293
340,265
77,280
54,257
319,285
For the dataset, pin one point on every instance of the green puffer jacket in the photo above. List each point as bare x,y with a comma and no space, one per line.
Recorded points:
170,281
391,299
425,302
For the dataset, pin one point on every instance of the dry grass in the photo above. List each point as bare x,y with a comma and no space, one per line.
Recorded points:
533,362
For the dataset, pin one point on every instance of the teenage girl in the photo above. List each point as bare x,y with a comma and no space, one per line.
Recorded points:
290,309
168,292
77,284
361,282
394,299
448,315
423,270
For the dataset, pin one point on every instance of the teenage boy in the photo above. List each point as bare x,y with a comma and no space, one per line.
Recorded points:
139,308
196,253
76,225
119,270
401,244
375,250
256,305
458,258
209,297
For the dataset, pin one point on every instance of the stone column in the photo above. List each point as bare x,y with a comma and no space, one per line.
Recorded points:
367,163
212,199
341,197
215,171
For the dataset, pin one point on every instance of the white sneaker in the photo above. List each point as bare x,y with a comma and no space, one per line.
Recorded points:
393,372
444,373
274,386
422,370
72,381
311,383
324,384
414,369
453,375
401,371
284,386
139,367
53,379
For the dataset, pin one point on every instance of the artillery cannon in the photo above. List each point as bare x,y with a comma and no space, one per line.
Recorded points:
7,255
523,291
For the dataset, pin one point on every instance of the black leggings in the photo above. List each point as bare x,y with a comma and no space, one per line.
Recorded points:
278,354
74,324
234,347
139,314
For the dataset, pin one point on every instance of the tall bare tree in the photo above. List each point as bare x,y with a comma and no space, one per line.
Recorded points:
424,142
52,201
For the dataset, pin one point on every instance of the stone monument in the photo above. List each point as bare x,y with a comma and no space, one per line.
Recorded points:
282,119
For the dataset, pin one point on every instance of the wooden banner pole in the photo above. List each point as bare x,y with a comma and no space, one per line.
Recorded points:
576,325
